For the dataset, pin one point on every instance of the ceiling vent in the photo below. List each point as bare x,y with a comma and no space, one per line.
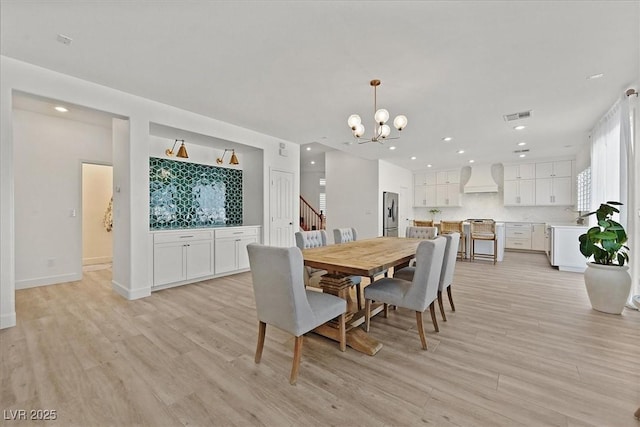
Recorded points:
526,150
517,116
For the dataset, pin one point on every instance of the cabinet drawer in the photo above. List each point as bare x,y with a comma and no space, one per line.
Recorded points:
519,225
236,232
515,243
519,233
182,236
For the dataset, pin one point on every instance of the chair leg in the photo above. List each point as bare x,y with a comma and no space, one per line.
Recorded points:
444,317
297,353
386,310
432,308
262,329
495,251
359,296
453,307
423,338
367,314
473,247
343,332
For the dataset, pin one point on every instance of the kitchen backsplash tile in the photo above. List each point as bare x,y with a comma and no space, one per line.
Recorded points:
188,195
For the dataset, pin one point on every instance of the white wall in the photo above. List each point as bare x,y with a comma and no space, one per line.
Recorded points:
97,190
131,168
48,156
352,194
397,180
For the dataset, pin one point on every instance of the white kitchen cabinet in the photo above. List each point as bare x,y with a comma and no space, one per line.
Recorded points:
448,195
424,178
520,171
424,195
180,256
565,251
231,248
538,238
518,235
554,191
448,177
519,192
563,168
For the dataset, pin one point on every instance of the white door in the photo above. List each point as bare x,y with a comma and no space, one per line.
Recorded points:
281,209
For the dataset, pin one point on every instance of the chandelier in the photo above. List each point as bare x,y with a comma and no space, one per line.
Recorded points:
381,130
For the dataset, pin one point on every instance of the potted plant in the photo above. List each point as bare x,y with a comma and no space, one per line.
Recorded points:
607,277
433,213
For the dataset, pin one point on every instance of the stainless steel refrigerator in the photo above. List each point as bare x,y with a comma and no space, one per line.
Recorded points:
390,214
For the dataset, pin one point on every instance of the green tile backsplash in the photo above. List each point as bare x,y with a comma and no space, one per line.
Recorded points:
187,195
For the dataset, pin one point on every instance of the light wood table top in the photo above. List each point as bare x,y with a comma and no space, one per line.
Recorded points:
366,257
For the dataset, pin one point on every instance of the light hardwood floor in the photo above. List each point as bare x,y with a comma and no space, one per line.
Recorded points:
523,348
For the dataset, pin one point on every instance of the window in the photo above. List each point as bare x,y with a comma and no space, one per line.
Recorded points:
323,197
583,187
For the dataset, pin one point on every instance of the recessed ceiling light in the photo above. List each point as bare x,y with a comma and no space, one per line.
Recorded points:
447,138
429,166
471,161
522,143
308,148
595,76
413,157
313,162
392,147
523,155
519,127
460,151
61,109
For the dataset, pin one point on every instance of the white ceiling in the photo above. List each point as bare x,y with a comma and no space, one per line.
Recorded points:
297,70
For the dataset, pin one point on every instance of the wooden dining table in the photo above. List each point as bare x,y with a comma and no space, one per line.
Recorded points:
366,258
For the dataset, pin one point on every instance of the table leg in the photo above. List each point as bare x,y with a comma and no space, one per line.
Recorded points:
339,285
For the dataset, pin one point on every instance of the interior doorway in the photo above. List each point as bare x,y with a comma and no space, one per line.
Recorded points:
97,219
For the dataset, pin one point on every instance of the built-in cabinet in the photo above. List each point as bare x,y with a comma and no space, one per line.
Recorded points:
231,249
539,184
525,235
437,189
186,256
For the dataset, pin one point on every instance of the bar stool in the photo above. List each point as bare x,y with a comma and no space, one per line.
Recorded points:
422,223
484,230
447,227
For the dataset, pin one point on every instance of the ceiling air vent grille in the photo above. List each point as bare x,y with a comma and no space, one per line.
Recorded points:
526,150
517,116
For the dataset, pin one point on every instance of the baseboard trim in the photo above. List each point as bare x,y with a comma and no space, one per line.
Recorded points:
48,280
130,294
97,260
8,320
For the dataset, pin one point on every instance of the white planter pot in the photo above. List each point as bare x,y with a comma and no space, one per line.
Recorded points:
608,287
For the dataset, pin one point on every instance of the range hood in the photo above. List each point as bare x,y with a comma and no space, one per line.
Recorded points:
481,180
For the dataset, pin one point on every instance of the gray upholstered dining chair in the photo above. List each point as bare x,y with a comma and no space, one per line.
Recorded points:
282,300
311,239
343,235
422,232
417,294
446,275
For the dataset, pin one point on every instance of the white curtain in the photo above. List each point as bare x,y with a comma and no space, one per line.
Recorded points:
605,159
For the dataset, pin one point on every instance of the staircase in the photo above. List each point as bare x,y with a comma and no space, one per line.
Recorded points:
310,219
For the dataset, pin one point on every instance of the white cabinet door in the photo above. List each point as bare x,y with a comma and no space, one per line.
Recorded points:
562,194
168,263
562,168
511,172
544,170
225,255
554,191
242,254
424,178
511,192
538,239
519,192
527,170
527,192
431,195
420,195
199,258
453,176
453,194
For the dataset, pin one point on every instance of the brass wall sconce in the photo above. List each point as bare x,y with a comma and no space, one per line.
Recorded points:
234,158
182,151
